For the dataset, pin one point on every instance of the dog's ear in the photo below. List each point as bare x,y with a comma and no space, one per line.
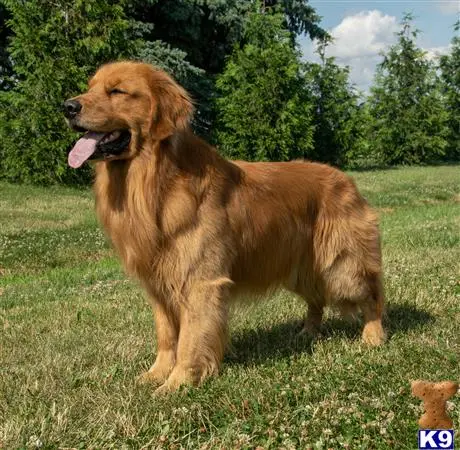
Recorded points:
173,108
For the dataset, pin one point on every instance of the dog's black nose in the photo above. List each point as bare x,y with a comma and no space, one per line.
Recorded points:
71,108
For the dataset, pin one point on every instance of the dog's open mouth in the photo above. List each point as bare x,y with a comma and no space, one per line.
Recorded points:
94,145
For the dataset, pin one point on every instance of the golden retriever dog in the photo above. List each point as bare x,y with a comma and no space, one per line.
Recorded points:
196,229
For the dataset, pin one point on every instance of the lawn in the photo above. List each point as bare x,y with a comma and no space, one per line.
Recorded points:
76,332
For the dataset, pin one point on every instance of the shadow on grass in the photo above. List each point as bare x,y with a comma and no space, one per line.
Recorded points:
283,339
277,342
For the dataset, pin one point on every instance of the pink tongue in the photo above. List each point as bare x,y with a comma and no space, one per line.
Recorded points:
84,148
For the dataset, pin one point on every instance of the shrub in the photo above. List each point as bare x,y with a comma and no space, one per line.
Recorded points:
52,61
264,112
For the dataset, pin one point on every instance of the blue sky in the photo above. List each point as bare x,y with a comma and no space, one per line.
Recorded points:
363,28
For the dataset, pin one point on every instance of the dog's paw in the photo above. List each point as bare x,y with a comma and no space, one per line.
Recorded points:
310,331
152,376
146,378
178,378
164,389
159,372
373,334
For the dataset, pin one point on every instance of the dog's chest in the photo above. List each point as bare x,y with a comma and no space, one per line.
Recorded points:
133,233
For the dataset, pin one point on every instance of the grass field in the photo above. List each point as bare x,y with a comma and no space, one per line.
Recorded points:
76,332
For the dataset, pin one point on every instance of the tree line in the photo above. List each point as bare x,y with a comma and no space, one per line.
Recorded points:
256,98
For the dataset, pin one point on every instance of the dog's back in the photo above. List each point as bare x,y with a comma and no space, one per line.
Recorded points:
303,225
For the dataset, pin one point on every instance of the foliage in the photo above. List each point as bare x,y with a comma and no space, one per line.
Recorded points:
300,17
450,76
270,105
409,118
207,30
50,65
5,62
264,109
337,116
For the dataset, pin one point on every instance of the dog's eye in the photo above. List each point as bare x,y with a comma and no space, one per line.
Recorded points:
117,91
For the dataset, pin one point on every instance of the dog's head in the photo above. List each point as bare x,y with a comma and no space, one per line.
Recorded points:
127,105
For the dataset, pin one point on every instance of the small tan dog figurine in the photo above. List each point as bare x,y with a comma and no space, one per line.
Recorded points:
434,396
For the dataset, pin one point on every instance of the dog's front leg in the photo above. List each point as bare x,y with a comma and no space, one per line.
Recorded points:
202,336
167,330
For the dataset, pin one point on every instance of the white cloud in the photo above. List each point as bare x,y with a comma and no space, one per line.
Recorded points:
435,52
364,34
449,6
358,41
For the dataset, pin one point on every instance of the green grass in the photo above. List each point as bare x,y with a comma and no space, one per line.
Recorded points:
76,332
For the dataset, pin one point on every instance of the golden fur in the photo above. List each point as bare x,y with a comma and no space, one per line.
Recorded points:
196,229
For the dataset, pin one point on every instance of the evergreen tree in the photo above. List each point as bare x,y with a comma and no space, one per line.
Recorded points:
337,117
207,30
450,76
5,61
264,110
201,34
56,45
409,119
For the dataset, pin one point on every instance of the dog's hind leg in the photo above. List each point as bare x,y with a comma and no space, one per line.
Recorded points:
313,319
372,308
315,302
350,287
